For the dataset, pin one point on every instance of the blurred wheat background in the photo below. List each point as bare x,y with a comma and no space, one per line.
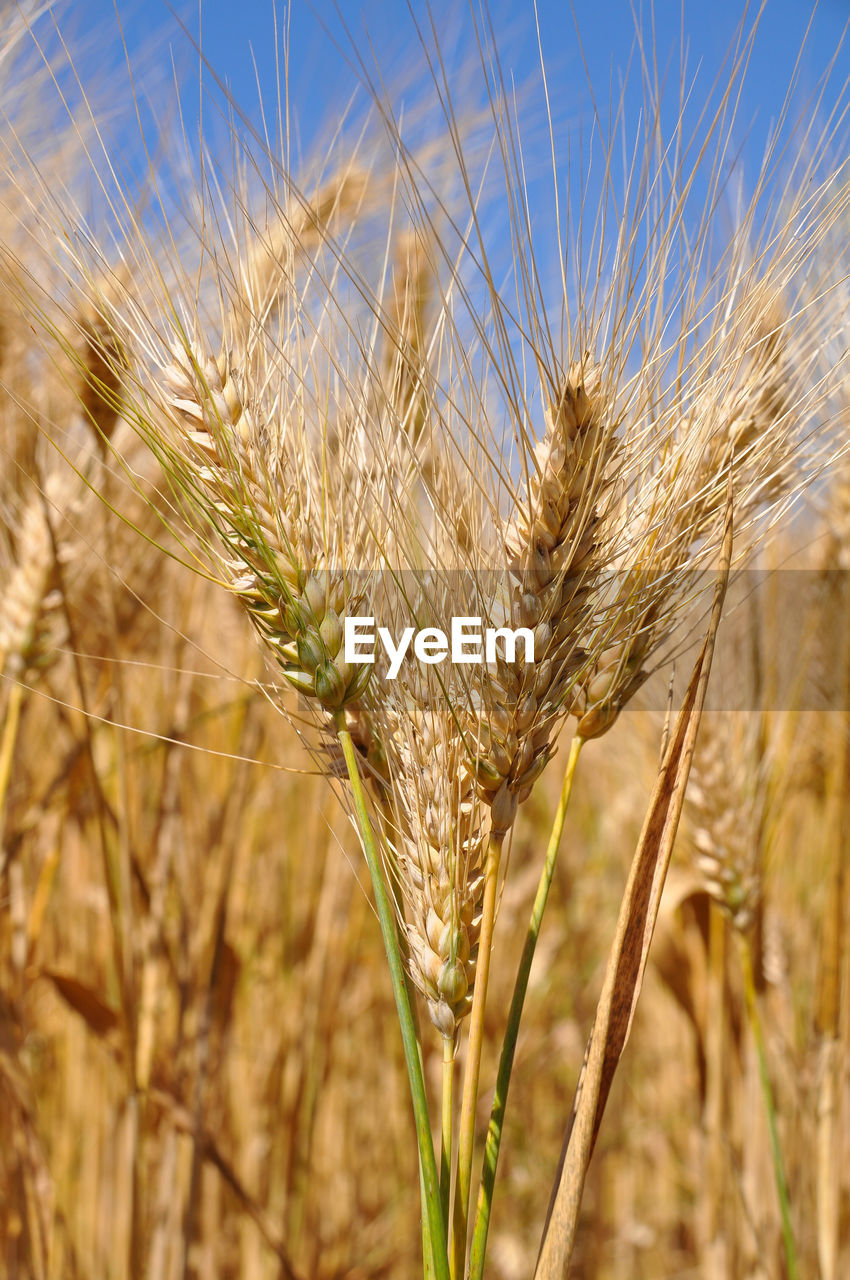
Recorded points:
200,1071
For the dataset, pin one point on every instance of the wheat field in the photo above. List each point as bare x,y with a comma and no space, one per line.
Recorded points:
272,931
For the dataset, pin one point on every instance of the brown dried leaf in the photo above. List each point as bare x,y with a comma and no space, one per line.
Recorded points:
98,1016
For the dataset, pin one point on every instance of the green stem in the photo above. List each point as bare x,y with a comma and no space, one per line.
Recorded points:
770,1111
427,1251
428,1164
469,1104
404,950
447,1124
506,1062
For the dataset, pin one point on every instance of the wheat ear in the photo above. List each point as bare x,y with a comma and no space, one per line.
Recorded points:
551,552
274,563
739,434
438,830
28,596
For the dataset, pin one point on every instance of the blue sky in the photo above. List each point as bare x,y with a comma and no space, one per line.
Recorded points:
586,48
239,36
586,51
